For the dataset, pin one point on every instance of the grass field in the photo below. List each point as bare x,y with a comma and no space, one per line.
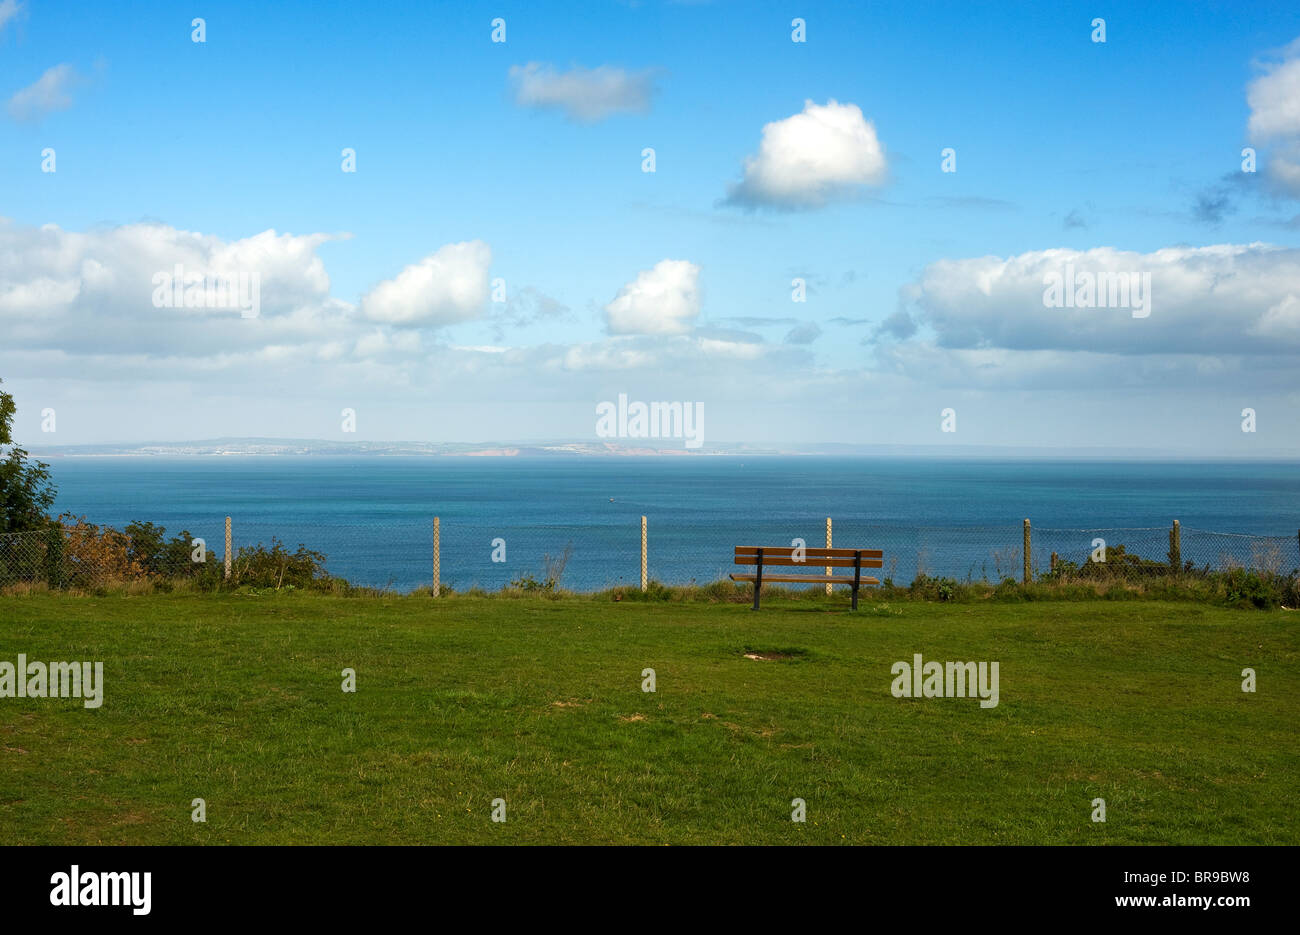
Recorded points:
236,698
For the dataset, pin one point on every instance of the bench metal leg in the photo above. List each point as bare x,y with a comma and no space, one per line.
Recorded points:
758,579
857,577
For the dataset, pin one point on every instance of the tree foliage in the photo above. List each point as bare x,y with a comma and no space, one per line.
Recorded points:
26,489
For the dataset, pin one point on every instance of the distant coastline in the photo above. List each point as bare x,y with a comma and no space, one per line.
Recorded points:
298,447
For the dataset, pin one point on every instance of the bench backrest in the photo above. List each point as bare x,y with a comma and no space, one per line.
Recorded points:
820,557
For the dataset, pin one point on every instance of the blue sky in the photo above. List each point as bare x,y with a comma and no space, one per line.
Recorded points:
1131,146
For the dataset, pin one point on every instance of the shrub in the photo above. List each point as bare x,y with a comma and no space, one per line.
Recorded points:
551,574
1119,563
91,554
1248,589
259,567
157,556
933,589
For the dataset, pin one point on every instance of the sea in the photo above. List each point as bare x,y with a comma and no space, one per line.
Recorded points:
504,519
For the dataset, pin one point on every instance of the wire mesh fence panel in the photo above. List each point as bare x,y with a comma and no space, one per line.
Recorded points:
397,554
1220,551
568,556
394,554
964,553
602,549
685,554
1122,553
1145,553
23,557
85,555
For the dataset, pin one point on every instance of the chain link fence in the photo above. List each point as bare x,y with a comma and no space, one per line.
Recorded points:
597,553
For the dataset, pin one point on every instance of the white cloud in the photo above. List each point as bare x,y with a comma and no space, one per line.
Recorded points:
78,331
583,94
1274,99
94,291
48,94
448,286
1281,321
662,300
824,153
1221,299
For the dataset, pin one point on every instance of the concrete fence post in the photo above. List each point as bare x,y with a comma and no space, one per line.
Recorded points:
227,548
437,556
828,545
1029,565
644,580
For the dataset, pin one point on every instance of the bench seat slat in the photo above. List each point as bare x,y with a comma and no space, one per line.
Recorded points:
805,579
811,551
809,561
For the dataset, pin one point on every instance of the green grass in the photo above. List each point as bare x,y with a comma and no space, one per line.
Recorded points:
236,698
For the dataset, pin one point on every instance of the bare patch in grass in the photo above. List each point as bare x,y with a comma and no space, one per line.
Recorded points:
774,655
571,703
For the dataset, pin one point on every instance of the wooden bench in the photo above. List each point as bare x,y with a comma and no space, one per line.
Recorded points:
785,556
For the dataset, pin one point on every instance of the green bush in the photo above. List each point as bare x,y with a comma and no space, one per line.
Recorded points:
54,573
160,558
1119,563
259,567
1244,588
550,576
928,588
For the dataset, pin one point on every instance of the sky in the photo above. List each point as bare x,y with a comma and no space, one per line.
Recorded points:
847,238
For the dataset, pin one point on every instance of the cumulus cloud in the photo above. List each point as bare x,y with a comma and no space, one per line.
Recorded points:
825,153
662,300
1274,99
1221,299
48,94
448,286
1280,321
583,94
75,292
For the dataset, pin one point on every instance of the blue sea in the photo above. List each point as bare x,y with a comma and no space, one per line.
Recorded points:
373,517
